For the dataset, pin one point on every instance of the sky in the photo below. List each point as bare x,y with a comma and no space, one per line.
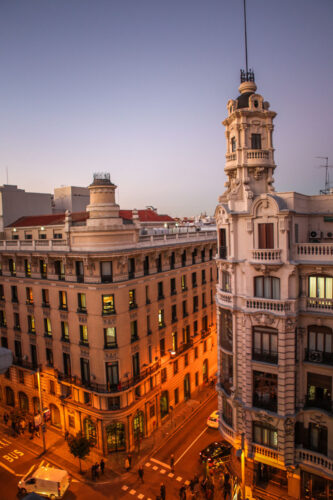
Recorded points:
138,88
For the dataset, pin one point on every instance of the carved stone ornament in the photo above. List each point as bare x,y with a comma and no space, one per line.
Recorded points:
121,264
264,417
263,318
318,420
289,425
109,321
290,324
301,331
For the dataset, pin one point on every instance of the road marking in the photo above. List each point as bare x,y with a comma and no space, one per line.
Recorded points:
179,478
141,496
155,467
124,487
132,492
7,468
187,482
160,463
162,471
147,464
171,474
196,439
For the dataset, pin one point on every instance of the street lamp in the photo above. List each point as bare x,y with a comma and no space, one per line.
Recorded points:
41,409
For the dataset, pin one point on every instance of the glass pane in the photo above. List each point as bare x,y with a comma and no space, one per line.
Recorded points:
274,439
312,286
257,344
267,287
275,288
320,341
265,342
321,287
312,341
329,288
259,286
328,343
274,346
257,434
265,437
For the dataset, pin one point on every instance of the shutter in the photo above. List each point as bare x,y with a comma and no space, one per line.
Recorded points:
261,236
269,235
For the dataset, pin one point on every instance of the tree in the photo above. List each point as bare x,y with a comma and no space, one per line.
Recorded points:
79,446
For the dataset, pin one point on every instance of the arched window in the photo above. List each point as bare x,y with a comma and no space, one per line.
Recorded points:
55,415
267,287
10,397
164,403
23,401
90,430
115,437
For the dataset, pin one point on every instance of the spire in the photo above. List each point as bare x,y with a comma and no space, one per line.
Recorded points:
246,75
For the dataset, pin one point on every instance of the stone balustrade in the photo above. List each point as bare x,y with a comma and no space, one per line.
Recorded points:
271,256
316,252
314,459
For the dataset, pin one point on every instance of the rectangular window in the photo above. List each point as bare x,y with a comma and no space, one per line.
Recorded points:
112,375
266,235
265,434
175,367
174,342
204,300
203,276
196,353
113,403
204,322
161,322
79,271
131,268
173,289
108,304
59,269
173,313
172,260
195,303
29,295
43,269
160,294
18,349
296,233
67,364
12,267
203,255
147,294
20,376
194,280
186,335
2,293
255,141
146,265
321,287
226,282
14,293
184,308
196,379
110,338
233,144
84,334
222,243
195,327
45,297
150,354
3,321
184,258
186,360
148,325
17,321
31,324
265,345
163,375
63,301
82,303
267,287
265,391
85,371
33,354
134,330
64,331
131,299
194,256
210,254
159,264
49,356
227,412
27,268
136,365
106,272
183,283
162,347
47,327
176,396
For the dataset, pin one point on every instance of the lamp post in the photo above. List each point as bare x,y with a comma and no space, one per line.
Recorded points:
243,466
41,409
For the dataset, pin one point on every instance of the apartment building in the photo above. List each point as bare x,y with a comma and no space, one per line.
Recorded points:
274,314
119,318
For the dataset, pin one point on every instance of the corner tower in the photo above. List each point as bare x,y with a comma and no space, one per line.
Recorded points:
250,154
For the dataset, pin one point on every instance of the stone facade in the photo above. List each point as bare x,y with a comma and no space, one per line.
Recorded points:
274,314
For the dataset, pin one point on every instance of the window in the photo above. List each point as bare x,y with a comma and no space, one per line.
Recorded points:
108,304
47,327
2,293
131,268
186,335
31,324
159,264
194,280
3,321
45,298
225,281
57,236
195,327
87,396
194,256
106,272
134,330
211,274
319,391
67,363
79,271
184,258
110,338
255,141
82,304
29,295
63,301
204,304
112,375
265,390
162,347
196,353
186,360
147,295
84,334
172,260
20,376
195,303
267,287
12,267
321,287
152,411
233,144
296,233
64,331
136,365
227,412
163,375
161,322
131,299
203,255
205,346
146,265
27,268
4,342
18,349
17,321
320,345
173,289
160,294
42,236
176,393
148,325
59,269
183,283
265,434
184,308
85,371
173,313
14,293
175,367
33,354
150,354
174,337
265,345
210,254
203,276
266,235
114,403
222,243
204,322
318,438
226,372
43,269
49,356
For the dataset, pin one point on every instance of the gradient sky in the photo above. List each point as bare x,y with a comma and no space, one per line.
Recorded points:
138,88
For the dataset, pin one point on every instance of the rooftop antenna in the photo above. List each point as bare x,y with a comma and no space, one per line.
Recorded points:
326,190
248,74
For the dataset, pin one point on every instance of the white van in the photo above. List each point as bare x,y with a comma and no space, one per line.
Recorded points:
45,481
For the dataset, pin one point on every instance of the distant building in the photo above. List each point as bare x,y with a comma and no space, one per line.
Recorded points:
275,316
16,202
116,309
71,198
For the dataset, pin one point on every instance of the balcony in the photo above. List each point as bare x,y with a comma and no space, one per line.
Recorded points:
257,154
319,304
184,346
265,452
323,404
205,333
272,305
265,356
222,253
314,459
313,252
269,404
321,357
24,364
226,384
267,256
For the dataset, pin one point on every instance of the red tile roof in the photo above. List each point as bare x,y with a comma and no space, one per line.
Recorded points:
59,219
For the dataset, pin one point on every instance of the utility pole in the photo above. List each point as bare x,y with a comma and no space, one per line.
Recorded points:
41,409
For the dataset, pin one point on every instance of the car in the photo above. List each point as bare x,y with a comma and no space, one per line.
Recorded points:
213,420
216,452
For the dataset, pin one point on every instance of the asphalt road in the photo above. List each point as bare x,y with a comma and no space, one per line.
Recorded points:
185,444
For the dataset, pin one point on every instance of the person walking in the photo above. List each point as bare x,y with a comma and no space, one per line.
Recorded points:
172,463
127,464
162,491
96,470
182,492
93,472
140,472
102,466
5,418
129,456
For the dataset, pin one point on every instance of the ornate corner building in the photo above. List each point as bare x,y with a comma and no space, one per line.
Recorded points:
118,316
274,315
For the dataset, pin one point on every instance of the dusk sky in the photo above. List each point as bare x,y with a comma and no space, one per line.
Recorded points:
138,88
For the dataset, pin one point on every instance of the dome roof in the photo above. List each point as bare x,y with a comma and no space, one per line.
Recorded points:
243,100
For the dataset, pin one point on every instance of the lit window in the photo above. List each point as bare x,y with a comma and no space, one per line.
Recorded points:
108,304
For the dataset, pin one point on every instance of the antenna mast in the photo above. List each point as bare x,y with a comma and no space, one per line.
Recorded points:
247,75
326,190
245,36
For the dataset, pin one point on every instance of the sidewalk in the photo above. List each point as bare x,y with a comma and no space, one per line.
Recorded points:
57,450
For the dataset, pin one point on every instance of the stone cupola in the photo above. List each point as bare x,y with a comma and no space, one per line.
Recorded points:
102,208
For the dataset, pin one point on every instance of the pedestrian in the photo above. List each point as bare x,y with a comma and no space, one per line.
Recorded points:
129,456
102,466
182,492
172,463
37,430
5,418
162,491
96,469
227,490
140,472
22,426
93,472
127,464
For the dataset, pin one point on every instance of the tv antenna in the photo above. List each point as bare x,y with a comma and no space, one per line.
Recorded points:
327,188
248,74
